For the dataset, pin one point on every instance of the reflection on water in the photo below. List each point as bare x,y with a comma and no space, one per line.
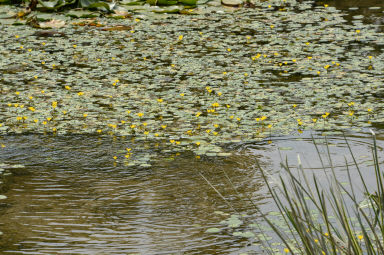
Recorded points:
368,11
75,201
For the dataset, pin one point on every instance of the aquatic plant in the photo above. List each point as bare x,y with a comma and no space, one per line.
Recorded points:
328,218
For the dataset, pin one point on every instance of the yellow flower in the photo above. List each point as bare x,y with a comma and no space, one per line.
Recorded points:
351,113
316,241
145,124
180,37
171,141
156,134
197,157
160,100
85,115
357,31
286,250
64,112
208,131
99,131
19,118
294,60
80,93
54,104
182,94
197,143
369,110
133,126
198,114
44,123
140,114
228,49
360,237
74,46
35,120
2,145
238,119
17,93
42,91
163,126
31,109
49,118
231,117
269,126
114,157
146,132
294,106
263,117
314,120
215,105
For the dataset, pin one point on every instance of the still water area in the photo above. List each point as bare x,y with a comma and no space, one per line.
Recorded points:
72,198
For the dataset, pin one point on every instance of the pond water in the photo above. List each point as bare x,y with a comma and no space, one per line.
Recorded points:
74,198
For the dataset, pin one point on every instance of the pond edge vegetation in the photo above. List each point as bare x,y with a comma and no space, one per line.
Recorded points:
344,226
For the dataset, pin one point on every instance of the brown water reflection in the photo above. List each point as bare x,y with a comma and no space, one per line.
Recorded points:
76,202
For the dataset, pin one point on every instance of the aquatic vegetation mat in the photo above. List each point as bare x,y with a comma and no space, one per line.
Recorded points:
193,82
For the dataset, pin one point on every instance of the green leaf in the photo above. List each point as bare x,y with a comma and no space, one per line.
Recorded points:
213,230
188,2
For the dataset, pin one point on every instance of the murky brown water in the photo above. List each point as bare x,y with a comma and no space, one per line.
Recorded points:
75,201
